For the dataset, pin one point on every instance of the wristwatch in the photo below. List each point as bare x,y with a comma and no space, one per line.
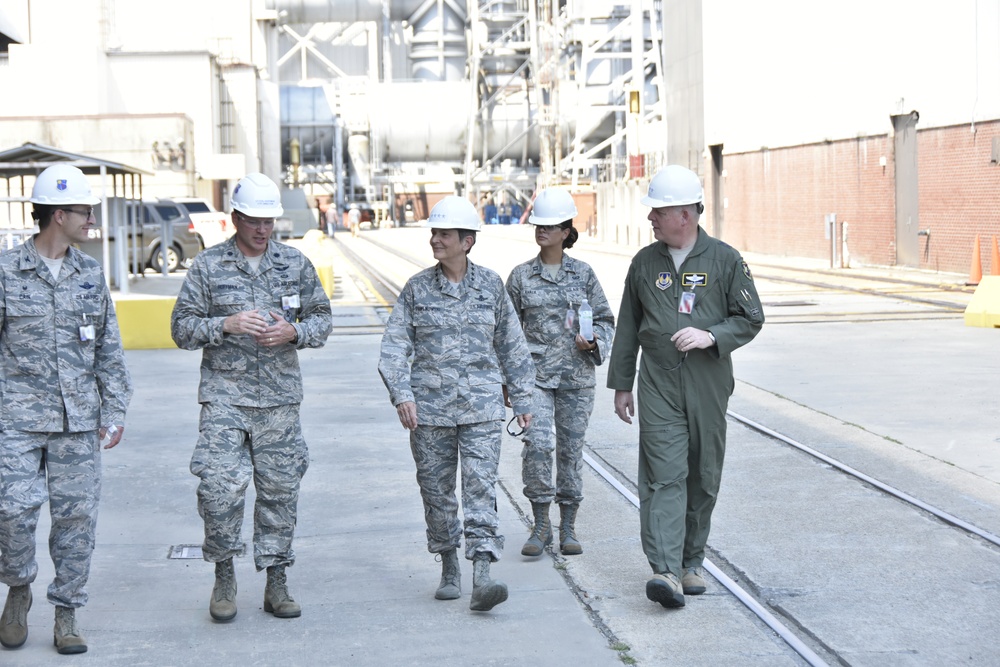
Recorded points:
712,336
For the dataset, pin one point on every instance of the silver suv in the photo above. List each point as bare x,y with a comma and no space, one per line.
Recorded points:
185,243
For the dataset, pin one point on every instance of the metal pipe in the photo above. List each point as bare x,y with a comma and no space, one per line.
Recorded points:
338,162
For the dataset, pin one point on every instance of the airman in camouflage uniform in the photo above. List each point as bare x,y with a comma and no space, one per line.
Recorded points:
546,292
451,343
64,385
251,303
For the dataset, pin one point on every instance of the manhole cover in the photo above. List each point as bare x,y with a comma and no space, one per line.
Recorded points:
194,551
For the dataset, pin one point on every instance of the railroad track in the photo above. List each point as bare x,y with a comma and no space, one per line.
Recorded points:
825,295
374,285
800,636
793,633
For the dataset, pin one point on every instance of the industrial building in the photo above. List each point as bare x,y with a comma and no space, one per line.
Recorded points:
801,117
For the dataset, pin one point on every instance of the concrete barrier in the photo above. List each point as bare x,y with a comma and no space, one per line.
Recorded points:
984,308
318,247
144,320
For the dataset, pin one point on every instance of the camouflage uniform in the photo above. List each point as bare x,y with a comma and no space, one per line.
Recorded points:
57,391
250,394
465,343
565,381
681,399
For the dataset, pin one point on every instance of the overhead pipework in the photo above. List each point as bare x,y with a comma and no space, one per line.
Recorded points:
483,93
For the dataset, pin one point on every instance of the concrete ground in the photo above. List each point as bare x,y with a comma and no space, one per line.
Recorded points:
784,527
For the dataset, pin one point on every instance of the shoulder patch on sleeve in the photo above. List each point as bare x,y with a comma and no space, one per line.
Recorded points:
746,270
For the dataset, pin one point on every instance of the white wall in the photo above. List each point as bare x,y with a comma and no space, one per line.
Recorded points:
159,61
784,72
221,26
167,84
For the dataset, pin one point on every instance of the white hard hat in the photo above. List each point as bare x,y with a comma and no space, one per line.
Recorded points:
674,185
553,206
454,212
257,196
62,184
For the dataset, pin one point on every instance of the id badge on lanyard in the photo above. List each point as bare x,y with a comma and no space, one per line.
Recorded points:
86,330
570,318
686,304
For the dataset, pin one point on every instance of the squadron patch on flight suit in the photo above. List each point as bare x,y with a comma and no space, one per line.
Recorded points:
694,279
663,280
746,270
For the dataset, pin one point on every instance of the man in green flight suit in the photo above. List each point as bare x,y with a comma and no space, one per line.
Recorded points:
689,301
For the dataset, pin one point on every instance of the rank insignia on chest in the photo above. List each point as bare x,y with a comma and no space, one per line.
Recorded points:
663,280
694,279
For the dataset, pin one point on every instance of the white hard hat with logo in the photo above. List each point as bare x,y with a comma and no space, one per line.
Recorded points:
257,196
62,184
553,206
454,212
674,185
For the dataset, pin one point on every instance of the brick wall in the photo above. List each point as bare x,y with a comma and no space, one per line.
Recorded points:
959,194
775,201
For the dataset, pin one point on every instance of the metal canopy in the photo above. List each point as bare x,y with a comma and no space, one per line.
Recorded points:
31,158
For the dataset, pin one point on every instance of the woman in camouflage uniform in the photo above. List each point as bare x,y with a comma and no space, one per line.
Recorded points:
547,292
450,344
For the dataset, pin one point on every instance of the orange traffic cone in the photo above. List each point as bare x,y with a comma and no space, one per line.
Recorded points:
976,272
995,260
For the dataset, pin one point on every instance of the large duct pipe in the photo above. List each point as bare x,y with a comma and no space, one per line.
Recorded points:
428,120
421,121
500,18
342,11
357,151
438,49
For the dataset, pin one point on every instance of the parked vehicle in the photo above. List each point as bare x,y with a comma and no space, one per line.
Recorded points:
210,225
193,204
185,243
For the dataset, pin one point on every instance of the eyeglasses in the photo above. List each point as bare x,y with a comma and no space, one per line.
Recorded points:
511,426
86,213
679,364
256,223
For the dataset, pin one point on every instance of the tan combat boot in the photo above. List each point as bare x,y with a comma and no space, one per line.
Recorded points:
451,577
541,535
222,607
665,589
486,593
568,543
692,581
277,601
14,621
66,636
